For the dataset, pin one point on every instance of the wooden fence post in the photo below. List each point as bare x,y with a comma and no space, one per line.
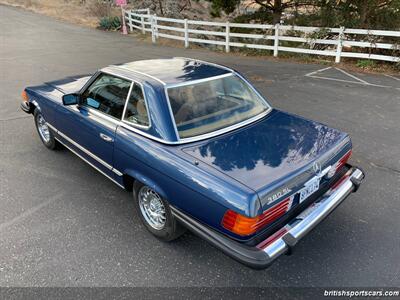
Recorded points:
129,19
153,29
276,40
155,26
339,45
186,33
227,33
142,21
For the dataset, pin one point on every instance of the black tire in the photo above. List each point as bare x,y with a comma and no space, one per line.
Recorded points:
51,143
171,229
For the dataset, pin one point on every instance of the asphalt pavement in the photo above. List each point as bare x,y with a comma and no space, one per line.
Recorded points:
64,224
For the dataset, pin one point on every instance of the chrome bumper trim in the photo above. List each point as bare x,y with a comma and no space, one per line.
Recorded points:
314,215
259,258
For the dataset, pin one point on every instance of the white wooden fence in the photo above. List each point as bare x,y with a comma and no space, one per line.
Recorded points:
341,41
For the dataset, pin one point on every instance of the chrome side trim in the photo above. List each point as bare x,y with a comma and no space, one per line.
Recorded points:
52,127
206,63
126,102
117,172
145,102
146,135
313,215
89,82
170,86
84,150
89,163
171,114
134,71
224,130
100,114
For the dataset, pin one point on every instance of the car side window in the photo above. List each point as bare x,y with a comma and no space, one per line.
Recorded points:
136,110
107,94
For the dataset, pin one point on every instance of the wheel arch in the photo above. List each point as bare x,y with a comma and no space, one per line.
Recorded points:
33,105
131,176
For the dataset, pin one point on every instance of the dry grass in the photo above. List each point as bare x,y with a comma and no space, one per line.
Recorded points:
82,12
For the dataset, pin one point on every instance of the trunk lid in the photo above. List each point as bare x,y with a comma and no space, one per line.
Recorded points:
274,156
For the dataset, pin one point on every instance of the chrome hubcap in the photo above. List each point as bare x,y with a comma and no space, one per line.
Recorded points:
43,129
152,208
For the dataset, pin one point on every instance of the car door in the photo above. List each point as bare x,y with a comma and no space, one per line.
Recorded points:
90,126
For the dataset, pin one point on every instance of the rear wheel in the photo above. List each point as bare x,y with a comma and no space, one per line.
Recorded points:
45,133
155,213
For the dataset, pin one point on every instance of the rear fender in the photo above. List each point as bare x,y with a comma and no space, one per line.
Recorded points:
147,181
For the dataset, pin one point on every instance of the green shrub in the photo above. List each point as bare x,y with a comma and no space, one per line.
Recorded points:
365,63
110,23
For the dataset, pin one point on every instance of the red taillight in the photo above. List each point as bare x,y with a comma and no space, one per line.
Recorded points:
340,163
243,225
344,160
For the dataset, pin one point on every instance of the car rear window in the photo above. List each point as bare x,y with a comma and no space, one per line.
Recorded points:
207,106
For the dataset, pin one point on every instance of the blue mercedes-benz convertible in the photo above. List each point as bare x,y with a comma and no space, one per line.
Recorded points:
200,149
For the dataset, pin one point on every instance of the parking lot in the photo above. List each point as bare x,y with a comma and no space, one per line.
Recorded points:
64,224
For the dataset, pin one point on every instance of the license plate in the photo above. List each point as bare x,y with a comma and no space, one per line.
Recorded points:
309,189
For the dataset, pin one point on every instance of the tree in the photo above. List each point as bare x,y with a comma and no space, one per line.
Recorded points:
378,14
227,6
170,8
372,13
275,8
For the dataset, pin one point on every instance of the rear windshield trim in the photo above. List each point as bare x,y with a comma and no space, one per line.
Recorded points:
222,130
174,85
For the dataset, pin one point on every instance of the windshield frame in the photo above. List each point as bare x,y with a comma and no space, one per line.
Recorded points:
222,130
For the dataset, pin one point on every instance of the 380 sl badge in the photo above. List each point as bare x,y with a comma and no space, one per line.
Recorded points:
278,195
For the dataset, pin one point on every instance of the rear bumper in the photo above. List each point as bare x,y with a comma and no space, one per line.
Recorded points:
266,252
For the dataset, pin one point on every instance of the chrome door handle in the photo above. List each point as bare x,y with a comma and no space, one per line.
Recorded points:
106,137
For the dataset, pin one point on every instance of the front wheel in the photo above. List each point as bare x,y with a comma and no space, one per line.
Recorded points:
45,133
155,213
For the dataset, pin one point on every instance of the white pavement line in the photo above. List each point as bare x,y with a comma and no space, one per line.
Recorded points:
393,77
16,118
335,79
349,81
315,72
352,76
30,211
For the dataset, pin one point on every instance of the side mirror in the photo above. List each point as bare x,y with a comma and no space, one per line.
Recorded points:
70,99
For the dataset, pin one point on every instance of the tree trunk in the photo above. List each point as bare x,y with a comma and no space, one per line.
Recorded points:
160,3
363,11
277,12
